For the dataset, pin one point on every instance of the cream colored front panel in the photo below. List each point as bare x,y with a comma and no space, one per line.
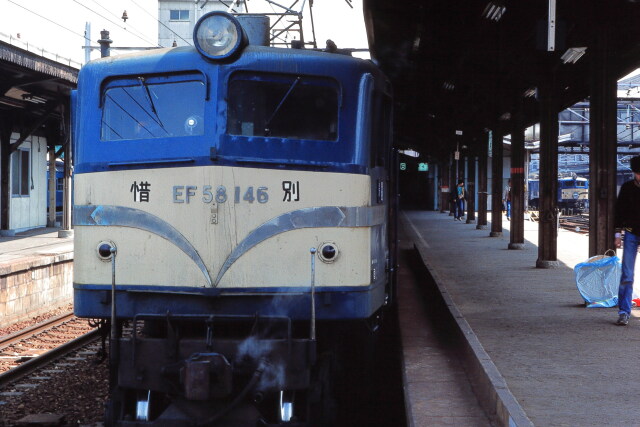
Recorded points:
215,229
285,260
568,193
142,259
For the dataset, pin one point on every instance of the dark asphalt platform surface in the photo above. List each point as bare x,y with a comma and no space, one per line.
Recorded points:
566,365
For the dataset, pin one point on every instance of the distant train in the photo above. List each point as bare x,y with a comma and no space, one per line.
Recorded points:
573,193
227,197
59,185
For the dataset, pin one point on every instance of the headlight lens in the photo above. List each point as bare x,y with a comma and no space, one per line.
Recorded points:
328,252
217,35
106,250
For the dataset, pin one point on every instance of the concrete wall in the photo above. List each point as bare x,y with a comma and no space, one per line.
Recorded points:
35,286
30,211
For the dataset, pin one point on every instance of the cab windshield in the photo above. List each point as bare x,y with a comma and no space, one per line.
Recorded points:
283,106
153,107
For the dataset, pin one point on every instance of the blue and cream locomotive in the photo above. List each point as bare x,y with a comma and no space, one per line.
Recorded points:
230,200
573,193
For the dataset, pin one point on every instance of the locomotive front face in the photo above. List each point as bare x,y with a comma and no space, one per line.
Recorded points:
213,185
216,179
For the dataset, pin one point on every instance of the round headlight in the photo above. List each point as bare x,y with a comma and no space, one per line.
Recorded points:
106,250
328,252
218,35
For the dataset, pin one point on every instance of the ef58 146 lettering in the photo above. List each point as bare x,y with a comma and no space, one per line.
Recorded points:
209,194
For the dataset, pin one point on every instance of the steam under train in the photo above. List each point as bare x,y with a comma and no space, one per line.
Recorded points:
234,213
573,193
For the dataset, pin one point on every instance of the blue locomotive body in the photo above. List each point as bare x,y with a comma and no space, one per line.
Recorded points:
573,193
59,185
222,195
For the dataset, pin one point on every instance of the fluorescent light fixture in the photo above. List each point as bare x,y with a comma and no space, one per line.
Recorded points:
494,10
531,92
448,86
33,98
573,54
506,116
409,153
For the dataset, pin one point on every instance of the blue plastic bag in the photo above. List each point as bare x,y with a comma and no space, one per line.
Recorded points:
598,279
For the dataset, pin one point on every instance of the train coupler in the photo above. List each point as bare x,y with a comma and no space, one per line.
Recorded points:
205,376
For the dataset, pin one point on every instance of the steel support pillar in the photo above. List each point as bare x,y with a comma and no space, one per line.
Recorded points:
482,186
516,234
548,226
602,149
496,184
53,139
471,189
5,155
52,183
444,186
66,230
453,182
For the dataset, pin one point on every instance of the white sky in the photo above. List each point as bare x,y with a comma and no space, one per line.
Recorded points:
333,19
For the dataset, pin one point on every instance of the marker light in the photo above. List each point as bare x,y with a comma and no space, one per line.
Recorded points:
218,35
106,250
328,252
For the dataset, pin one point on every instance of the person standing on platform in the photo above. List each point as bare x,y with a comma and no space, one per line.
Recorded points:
628,219
459,203
506,198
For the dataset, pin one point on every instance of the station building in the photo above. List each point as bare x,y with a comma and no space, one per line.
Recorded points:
34,127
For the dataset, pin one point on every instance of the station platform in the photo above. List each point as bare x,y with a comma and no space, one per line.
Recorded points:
36,274
548,360
34,244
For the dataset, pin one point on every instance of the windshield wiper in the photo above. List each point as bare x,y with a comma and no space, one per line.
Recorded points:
267,131
150,99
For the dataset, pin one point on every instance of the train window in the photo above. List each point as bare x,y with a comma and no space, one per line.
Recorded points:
153,107
282,106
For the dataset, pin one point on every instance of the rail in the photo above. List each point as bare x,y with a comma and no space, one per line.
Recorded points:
22,334
26,368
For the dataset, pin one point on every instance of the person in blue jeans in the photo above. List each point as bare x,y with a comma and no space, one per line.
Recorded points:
507,199
459,202
628,220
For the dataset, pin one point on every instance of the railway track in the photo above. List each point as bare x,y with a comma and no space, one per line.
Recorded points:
32,348
575,223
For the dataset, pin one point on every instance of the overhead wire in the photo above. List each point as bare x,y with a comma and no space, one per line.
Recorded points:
75,32
46,19
126,27
161,23
115,23
228,7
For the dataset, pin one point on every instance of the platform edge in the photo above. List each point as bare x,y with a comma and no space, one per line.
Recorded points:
485,376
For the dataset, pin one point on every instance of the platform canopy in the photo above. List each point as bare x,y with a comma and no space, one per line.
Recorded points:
34,101
472,65
31,85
